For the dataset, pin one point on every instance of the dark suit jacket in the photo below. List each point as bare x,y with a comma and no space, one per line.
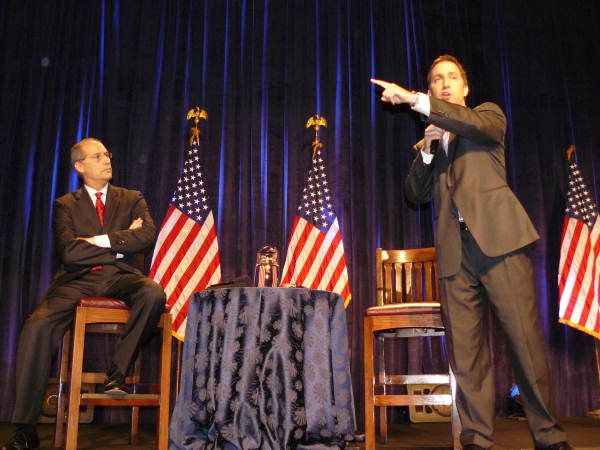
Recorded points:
472,178
75,216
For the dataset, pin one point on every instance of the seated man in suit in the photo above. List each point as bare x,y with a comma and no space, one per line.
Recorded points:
481,235
97,231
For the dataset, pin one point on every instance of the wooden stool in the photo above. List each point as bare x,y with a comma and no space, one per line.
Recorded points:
107,315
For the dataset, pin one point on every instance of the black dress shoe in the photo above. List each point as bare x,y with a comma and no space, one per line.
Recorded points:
22,440
114,385
473,447
562,445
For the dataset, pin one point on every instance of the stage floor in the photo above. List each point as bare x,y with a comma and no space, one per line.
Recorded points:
583,432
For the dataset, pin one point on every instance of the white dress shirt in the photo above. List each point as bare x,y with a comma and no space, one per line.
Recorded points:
100,240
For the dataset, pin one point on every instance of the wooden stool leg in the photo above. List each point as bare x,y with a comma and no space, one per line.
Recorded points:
75,385
59,430
369,374
383,426
134,437
135,410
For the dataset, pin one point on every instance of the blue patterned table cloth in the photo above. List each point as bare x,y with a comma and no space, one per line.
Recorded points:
264,368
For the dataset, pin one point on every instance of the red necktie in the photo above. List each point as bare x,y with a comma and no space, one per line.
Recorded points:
100,207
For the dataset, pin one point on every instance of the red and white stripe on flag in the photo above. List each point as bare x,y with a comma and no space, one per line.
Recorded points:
315,259
185,260
579,267
186,255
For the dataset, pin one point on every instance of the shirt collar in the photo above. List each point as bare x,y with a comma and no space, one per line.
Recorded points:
92,192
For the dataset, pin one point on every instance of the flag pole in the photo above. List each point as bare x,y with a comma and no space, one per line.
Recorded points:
596,412
322,247
196,114
178,367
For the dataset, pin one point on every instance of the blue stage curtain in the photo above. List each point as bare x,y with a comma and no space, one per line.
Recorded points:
128,71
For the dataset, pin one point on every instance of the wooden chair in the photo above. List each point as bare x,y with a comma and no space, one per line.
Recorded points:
107,315
407,306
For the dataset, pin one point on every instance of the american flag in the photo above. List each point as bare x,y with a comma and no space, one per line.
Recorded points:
186,256
315,254
579,268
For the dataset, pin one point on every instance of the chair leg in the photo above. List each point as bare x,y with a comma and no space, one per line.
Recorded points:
369,374
456,425
165,384
75,385
134,437
59,430
135,410
382,381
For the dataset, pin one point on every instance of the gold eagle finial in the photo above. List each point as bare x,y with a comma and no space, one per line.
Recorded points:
316,122
570,151
196,114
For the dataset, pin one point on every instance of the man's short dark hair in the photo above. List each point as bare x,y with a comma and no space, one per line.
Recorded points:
77,149
452,59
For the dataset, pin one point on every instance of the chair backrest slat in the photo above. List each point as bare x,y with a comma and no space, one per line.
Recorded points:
388,282
397,280
418,284
380,294
430,280
408,281
406,276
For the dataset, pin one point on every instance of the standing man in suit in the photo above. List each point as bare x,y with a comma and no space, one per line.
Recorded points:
97,231
481,233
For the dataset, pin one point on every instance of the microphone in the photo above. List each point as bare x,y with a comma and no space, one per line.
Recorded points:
419,145
433,146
